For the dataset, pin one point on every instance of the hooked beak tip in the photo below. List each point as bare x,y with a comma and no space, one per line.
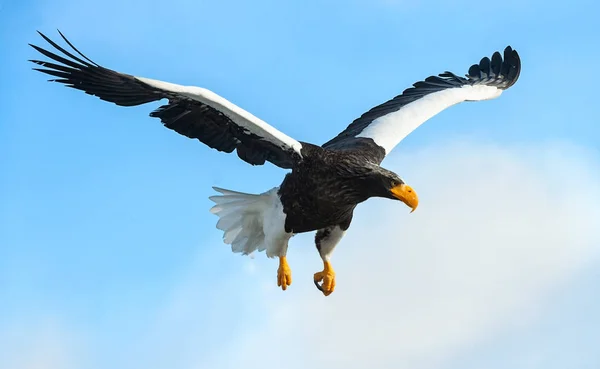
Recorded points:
407,195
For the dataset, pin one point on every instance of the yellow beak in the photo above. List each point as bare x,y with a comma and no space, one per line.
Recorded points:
407,195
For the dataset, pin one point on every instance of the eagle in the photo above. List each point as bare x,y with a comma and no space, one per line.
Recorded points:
324,183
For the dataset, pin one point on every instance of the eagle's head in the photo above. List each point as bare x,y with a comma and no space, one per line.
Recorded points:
389,185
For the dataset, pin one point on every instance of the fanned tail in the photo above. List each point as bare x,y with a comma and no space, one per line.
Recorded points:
241,219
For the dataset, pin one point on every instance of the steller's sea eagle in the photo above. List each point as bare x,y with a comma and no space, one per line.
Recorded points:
326,182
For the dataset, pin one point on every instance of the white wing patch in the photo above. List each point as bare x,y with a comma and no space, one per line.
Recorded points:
387,131
238,115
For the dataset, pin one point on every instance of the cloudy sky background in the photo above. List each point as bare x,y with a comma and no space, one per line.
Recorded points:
109,257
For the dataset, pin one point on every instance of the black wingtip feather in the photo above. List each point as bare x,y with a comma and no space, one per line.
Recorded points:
486,66
61,49
74,48
474,72
496,65
91,78
501,72
513,62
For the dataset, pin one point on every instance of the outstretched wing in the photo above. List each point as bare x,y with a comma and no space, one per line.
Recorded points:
380,129
192,111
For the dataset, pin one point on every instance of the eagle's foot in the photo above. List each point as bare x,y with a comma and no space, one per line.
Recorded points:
284,274
327,276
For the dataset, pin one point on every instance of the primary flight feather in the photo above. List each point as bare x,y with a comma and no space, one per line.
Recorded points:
326,181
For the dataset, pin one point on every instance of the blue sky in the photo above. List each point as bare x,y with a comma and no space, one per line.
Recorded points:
110,258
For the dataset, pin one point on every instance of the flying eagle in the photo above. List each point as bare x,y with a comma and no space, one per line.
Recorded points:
325,183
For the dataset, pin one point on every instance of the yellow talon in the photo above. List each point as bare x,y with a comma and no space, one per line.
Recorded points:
328,278
284,274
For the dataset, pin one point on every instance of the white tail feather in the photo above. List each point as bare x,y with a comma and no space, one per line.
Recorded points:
241,218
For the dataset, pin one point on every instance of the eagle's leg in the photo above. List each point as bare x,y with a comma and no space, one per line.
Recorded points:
284,274
326,239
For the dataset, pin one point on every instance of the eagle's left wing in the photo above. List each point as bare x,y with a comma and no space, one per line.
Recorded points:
194,112
380,129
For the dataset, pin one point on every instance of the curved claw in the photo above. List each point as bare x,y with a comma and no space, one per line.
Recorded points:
328,278
318,285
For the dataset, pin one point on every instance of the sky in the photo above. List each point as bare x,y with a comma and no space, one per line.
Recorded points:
109,257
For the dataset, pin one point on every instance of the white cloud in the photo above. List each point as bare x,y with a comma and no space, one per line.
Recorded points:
39,344
497,229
